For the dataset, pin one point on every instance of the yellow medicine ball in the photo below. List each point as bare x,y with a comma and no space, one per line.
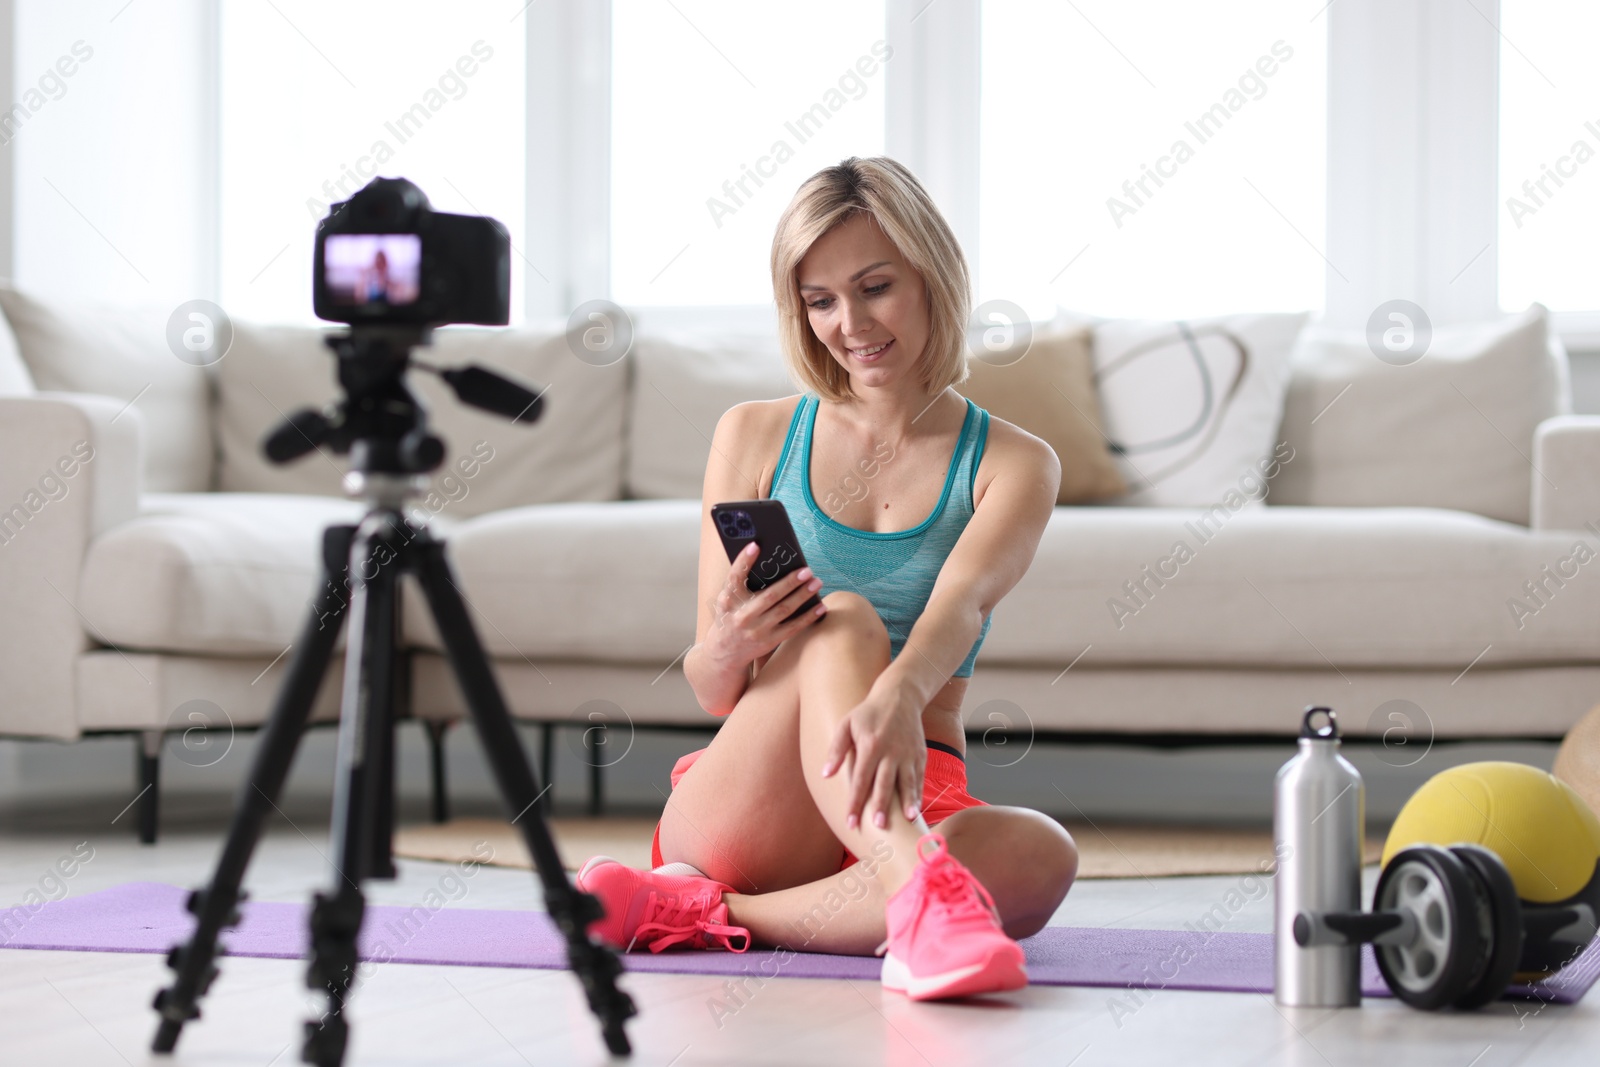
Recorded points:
1544,833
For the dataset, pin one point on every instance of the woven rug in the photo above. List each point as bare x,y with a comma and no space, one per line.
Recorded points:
1106,850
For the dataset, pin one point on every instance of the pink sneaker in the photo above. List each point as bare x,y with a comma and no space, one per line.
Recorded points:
658,910
945,938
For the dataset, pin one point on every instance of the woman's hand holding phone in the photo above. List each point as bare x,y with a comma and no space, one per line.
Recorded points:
749,625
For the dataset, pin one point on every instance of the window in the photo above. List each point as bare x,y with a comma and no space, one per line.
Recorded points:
1549,143
720,110
318,98
1128,172
112,192
1158,159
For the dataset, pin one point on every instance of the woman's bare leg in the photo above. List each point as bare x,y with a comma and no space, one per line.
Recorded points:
754,811
1025,859
779,844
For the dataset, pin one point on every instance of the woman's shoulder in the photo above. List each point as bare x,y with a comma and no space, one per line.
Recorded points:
748,439
754,421
1010,451
1011,442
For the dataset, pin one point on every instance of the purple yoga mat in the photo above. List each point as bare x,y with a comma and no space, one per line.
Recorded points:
150,917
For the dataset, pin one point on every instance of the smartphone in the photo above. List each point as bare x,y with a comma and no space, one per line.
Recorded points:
765,522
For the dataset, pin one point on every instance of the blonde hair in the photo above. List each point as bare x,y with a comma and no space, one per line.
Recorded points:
885,191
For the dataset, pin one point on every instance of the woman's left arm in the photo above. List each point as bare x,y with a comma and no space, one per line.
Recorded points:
991,556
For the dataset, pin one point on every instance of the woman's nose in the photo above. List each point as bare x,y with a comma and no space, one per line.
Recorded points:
853,319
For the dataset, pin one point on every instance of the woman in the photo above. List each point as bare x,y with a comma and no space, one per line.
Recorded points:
844,734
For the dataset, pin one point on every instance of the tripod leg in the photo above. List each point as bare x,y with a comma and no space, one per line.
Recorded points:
595,965
380,864
366,734
216,906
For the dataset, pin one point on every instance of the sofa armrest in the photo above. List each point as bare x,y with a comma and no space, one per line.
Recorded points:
69,470
1566,479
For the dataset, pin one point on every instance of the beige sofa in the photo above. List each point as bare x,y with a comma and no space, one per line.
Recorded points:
152,563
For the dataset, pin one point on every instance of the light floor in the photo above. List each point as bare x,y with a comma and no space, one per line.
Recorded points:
86,1009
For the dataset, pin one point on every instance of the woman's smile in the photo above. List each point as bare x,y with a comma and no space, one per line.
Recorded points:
870,353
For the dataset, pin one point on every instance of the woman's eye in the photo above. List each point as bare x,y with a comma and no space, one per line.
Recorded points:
820,304
874,290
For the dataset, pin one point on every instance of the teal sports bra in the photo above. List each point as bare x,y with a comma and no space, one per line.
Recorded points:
895,571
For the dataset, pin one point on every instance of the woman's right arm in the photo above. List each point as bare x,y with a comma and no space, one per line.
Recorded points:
734,627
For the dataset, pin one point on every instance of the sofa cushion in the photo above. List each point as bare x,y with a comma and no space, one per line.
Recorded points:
215,573
1048,390
1451,430
1303,587
610,582
1281,587
122,691
124,355
1191,407
573,452
681,388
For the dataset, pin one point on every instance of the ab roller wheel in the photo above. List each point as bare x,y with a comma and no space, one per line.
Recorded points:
1446,927
1505,926
1465,926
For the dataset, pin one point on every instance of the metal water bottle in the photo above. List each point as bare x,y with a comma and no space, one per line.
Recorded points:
1318,819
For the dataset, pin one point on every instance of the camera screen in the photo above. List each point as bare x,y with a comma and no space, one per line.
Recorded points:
375,269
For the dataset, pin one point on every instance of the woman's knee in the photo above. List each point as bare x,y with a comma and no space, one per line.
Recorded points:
852,615
1048,866
1026,860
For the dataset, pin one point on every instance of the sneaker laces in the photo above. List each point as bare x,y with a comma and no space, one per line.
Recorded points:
678,918
949,886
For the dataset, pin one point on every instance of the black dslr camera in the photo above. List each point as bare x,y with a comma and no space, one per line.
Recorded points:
393,268
386,257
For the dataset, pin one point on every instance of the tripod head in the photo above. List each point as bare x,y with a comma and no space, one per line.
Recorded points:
378,422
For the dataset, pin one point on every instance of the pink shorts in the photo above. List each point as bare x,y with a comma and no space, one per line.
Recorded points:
944,792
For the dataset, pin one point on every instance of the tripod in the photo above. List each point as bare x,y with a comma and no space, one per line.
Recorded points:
383,428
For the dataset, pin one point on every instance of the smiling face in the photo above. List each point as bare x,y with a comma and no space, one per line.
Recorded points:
865,303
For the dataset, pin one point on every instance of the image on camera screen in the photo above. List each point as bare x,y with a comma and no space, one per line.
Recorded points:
373,268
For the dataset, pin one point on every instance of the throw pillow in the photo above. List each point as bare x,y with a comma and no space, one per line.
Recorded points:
1049,391
1452,430
14,377
682,385
123,354
1192,408
573,452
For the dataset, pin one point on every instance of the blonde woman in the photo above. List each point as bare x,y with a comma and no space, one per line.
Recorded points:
844,733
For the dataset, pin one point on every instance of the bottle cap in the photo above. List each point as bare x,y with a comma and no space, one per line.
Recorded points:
1327,729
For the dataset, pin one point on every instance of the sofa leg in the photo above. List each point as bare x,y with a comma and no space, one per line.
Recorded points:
147,752
547,765
441,797
592,742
